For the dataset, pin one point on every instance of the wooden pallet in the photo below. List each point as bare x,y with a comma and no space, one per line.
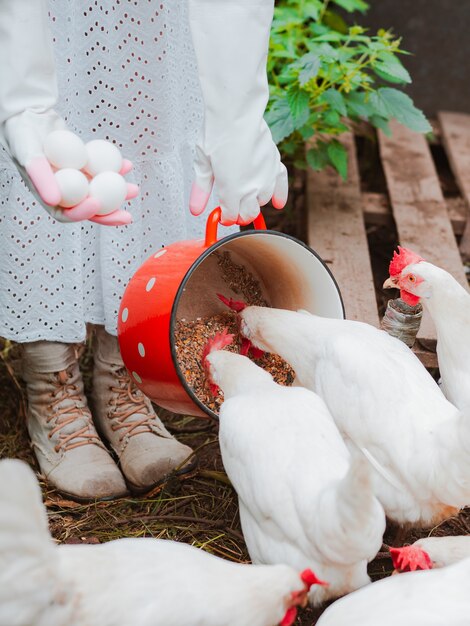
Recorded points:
338,213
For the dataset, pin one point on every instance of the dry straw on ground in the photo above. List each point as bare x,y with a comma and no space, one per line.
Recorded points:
200,509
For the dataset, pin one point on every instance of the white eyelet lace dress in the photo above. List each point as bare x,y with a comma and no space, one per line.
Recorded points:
127,73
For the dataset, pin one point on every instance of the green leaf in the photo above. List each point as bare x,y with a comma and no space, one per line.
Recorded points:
299,105
400,106
311,50
352,5
338,157
389,78
279,119
332,118
312,9
356,30
300,164
289,147
394,70
357,105
324,51
310,64
380,122
285,18
335,21
331,35
281,54
317,157
307,131
335,99
378,106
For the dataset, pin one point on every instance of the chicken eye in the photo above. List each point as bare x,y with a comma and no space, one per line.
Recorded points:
412,278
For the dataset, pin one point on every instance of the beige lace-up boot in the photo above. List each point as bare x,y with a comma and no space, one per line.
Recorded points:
68,449
126,418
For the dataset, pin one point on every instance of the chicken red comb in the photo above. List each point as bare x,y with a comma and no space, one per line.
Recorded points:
235,305
247,349
410,558
309,578
217,342
402,259
289,617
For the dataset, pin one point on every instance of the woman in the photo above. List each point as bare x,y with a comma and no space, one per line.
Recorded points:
126,72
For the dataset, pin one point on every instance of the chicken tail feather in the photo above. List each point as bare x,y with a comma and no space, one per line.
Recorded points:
359,509
358,518
29,571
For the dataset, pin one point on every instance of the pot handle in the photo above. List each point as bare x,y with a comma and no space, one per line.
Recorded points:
213,222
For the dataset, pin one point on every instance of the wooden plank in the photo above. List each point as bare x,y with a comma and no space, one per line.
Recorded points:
377,211
456,139
336,231
457,211
419,208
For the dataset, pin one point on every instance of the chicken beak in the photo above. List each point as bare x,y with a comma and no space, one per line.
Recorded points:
390,283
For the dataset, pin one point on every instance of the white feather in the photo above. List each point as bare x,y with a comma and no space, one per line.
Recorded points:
33,589
425,598
445,550
449,306
302,501
143,582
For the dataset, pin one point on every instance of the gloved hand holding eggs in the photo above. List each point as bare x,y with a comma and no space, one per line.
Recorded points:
85,180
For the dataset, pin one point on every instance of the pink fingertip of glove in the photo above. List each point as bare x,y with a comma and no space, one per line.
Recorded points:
116,218
40,172
228,222
126,167
83,211
281,189
198,199
132,191
279,202
244,222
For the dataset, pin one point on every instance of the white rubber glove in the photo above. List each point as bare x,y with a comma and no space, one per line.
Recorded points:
236,150
28,93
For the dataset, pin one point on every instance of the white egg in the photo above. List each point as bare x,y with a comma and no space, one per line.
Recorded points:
110,189
103,156
65,149
73,186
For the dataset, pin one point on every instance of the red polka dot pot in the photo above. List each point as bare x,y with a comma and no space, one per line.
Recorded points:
180,282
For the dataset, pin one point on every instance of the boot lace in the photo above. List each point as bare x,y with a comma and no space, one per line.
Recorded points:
130,401
65,415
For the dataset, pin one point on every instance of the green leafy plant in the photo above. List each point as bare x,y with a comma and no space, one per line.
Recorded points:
324,74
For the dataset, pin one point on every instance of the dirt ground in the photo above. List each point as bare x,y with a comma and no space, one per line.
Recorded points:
200,509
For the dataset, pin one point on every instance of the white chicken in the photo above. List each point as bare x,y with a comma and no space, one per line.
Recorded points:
143,582
427,598
448,304
302,501
431,552
383,399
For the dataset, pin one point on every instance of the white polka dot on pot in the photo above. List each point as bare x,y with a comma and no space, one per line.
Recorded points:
141,349
159,254
150,284
125,315
137,377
